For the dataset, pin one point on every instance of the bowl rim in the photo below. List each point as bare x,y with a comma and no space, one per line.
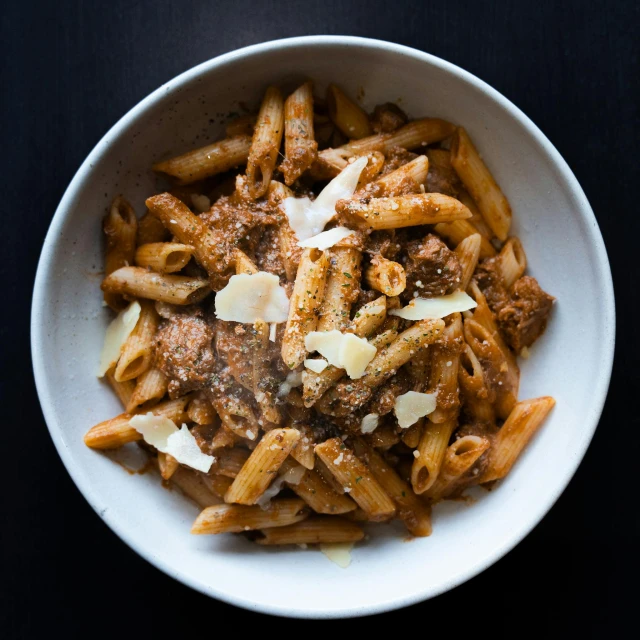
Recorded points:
38,331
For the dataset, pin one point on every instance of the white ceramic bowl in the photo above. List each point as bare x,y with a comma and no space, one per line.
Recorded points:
572,361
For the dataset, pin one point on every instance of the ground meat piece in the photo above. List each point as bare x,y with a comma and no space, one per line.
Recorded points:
430,263
384,398
232,348
384,243
365,296
387,117
489,280
268,253
395,158
523,319
184,353
441,179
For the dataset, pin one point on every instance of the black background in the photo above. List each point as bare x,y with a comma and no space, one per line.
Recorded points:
70,70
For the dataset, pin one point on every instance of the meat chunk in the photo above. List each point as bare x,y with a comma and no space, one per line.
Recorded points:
232,348
388,117
384,399
490,282
524,318
395,158
184,353
432,269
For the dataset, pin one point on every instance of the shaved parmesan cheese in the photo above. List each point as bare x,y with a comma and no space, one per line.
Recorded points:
342,350
200,203
309,218
327,239
317,366
355,354
272,331
423,308
294,379
116,336
411,406
162,433
292,476
338,552
251,297
369,423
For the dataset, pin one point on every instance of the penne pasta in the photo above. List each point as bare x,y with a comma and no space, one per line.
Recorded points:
140,283
458,230
346,115
200,410
264,395
431,451
124,390
356,477
149,389
405,180
137,352
120,228
468,253
513,436
261,467
192,485
234,518
207,161
167,465
265,143
300,147
476,397
403,211
150,230
314,530
164,257
512,261
479,182
385,276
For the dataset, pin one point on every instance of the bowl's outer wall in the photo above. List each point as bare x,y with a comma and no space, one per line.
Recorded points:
571,361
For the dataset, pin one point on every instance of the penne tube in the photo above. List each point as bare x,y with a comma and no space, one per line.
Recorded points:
373,168
468,253
237,416
356,479
192,485
217,484
512,261
403,211
124,390
207,161
150,230
431,451
167,465
341,289
346,115
137,352
459,458
265,143
164,257
261,467
411,436
231,461
366,321
443,378
313,530
476,398
479,182
501,377
234,518
116,432
385,276
149,389
303,451
264,395
405,180
200,410
317,492
306,299
416,134
415,514
455,232
300,147
383,438
241,126
120,228
140,283
523,422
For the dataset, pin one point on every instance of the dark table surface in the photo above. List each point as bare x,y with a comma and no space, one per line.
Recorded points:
70,70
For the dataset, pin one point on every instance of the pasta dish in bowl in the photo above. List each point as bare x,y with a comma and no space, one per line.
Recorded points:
319,317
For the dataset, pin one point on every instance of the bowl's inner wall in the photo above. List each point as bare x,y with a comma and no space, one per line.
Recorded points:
566,362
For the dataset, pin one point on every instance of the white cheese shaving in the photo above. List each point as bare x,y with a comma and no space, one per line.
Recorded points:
252,297
327,239
338,552
423,308
162,433
369,423
343,350
309,218
292,476
200,203
317,366
411,406
272,331
294,379
116,336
